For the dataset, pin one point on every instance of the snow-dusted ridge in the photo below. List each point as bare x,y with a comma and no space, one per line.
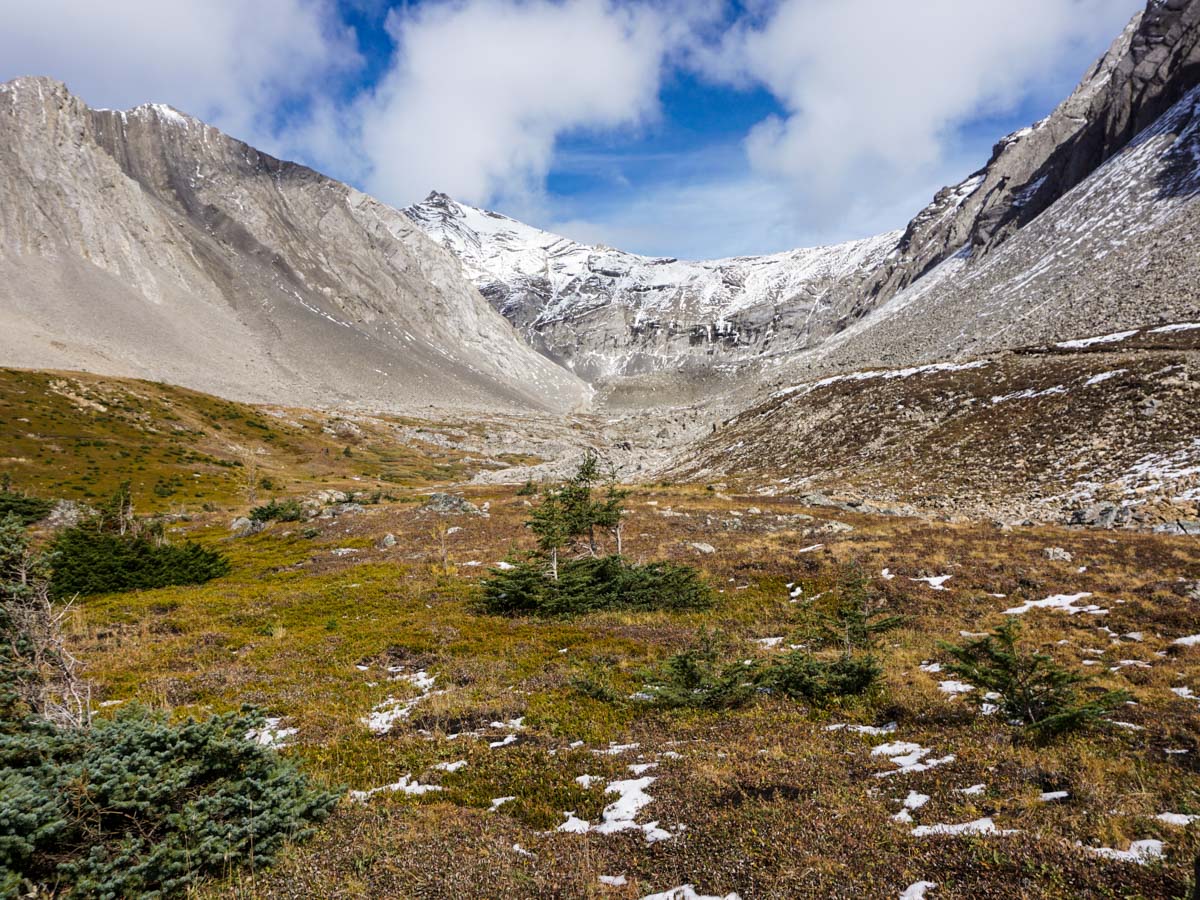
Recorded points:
545,283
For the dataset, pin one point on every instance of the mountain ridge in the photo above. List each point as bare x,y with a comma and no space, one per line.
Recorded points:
147,243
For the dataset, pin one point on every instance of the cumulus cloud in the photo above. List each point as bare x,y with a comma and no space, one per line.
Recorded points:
875,91
481,90
877,97
242,66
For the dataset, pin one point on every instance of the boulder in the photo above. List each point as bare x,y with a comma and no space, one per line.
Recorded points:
451,505
243,527
1057,554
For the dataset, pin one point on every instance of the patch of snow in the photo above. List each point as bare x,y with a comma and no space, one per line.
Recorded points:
917,890
1052,796
1140,852
1180,819
955,687
451,766
1181,326
615,749
614,880
972,791
979,826
384,716
405,786
574,824
769,642
914,800
1189,641
1061,602
908,758
498,802
936,582
889,728
1081,343
1104,376
269,735
688,892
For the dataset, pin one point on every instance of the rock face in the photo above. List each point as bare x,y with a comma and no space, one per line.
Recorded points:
1147,70
146,243
603,312
1114,254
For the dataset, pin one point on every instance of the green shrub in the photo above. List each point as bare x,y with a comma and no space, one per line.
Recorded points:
279,511
698,678
136,806
702,677
852,616
528,489
802,676
87,561
588,585
27,509
1032,687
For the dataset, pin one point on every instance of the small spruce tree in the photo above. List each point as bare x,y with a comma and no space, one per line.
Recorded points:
1033,688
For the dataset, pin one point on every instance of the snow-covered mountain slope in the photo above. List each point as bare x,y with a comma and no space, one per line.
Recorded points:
146,243
603,312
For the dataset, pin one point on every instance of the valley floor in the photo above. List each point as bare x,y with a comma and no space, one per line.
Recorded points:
492,765
496,757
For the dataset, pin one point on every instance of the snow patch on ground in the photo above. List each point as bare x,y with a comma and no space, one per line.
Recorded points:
1140,852
1061,602
937,582
908,758
270,734
688,892
1081,343
385,715
979,826
405,785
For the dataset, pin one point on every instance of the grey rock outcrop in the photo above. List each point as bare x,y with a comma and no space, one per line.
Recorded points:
451,505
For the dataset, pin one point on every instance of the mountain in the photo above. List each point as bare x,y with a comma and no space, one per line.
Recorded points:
1053,372
146,243
603,312
1147,70
1017,252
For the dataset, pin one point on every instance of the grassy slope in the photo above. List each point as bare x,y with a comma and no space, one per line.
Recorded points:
775,805
77,436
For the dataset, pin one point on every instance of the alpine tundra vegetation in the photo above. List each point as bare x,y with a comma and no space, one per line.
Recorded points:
357,547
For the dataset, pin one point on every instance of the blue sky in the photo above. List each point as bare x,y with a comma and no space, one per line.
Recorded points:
693,129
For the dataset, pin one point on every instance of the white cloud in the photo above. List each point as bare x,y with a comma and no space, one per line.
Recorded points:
875,91
478,95
481,90
231,62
